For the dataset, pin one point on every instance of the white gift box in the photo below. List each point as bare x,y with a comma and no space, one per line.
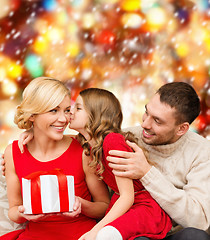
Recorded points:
50,196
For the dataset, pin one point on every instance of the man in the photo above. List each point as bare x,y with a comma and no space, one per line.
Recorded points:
177,172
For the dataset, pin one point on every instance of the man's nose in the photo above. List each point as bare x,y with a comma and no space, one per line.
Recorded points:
146,122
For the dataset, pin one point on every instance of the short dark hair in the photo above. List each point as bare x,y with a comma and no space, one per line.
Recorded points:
183,97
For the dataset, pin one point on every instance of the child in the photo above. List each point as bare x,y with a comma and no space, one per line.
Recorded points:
97,116
46,107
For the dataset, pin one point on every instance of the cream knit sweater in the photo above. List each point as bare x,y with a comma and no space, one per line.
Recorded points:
180,178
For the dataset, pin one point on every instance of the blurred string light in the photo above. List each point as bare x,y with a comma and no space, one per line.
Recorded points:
156,18
14,70
130,47
9,88
49,5
33,65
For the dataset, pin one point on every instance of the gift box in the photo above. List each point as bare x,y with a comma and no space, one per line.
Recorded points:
48,192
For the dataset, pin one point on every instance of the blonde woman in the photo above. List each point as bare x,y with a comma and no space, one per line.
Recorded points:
46,107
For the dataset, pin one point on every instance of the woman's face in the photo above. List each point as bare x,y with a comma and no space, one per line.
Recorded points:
79,117
54,122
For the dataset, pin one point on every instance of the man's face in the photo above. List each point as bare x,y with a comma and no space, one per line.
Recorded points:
159,123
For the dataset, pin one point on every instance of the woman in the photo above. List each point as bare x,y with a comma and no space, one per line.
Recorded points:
46,107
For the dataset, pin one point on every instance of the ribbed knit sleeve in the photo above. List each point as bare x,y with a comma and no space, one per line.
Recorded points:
187,205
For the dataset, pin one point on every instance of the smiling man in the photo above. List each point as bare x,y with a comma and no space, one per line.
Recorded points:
176,171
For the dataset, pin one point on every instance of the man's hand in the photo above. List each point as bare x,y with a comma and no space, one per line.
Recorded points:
133,165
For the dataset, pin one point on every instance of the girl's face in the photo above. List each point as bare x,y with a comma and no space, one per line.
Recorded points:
79,117
53,123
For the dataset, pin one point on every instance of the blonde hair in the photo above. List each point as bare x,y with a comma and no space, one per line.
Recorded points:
105,116
41,95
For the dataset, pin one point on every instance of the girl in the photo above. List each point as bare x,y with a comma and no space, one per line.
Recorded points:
46,107
97,116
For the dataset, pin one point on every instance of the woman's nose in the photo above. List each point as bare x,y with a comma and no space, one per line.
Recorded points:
62,117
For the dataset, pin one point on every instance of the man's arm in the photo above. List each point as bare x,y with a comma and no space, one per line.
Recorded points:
188,206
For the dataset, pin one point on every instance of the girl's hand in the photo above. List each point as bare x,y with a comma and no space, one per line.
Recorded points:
24,138
91,235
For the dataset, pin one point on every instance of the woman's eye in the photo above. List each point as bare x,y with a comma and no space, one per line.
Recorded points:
68,111
53,110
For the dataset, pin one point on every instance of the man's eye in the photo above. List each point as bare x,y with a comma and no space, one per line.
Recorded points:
157,121
68,111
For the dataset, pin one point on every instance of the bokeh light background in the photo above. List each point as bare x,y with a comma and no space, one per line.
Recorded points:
130,47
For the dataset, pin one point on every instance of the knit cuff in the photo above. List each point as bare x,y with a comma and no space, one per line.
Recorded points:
152,174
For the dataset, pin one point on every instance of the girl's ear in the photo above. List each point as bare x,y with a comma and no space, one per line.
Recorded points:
183,128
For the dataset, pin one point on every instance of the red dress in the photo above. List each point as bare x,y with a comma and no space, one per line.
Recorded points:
145,217
54,228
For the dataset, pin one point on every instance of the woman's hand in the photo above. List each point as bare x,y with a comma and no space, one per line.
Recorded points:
76,209
32,217
39,217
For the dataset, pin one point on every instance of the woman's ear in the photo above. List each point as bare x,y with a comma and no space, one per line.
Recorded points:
183,128
31,118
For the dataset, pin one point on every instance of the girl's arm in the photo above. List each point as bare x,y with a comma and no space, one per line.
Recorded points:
13,188
98,191
124,202
24,138
121,206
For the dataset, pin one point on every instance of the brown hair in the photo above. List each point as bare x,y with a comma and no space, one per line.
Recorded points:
105,116
183,98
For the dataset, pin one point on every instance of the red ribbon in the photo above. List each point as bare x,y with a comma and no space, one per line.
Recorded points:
36,204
